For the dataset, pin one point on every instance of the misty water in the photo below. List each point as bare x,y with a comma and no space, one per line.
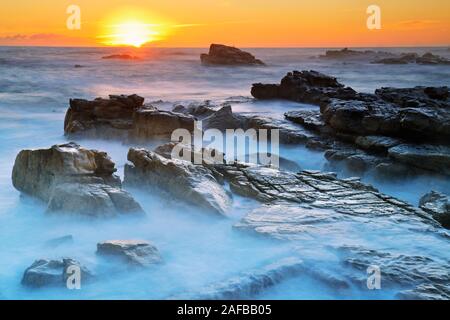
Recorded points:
198,249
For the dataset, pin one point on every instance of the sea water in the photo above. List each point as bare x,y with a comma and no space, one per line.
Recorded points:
198,249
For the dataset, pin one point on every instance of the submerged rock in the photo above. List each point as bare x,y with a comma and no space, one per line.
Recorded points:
135,252
349,54
192,183
224,55
123,117
248,284
53,273
73,179
56,242
438,205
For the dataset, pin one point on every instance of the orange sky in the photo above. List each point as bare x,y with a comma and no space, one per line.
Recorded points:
244,23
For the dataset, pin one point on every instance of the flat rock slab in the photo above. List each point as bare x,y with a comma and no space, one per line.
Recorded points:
220,54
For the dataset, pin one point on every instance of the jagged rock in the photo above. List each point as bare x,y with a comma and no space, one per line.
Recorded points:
224,55
429,58
376,143
438,205
72,179
428,157
417,97
193,183
426,277
153,123
135,252
309,119
349,54
248,284
305,86
224,119
198,110
123,117
45,273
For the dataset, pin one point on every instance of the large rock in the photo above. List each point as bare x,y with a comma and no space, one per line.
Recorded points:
124,117
438,205
53,273
135,252
350,54
224,55
72,179
429,157
305,86
192,183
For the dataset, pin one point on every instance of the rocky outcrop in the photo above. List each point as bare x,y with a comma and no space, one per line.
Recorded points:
123,117
134,252
350,54
53,273
426,59
438,205
421,277
305,86
248,284
192,183
224,55
73,179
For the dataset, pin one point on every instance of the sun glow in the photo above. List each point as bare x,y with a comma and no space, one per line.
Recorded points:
131,33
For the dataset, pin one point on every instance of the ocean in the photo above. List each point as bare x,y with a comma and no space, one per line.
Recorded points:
36,84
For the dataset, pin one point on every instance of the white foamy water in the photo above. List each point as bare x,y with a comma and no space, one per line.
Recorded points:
198,249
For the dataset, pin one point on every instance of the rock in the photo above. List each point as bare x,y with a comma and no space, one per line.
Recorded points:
72,179
428,157
192,183
376,143
349,54
52,273
198,110
305,86
56,242
123,117
224,55
310,119
248,284
224,119
120,57
135,252
423,276
429,58
417,97
149,123
438,205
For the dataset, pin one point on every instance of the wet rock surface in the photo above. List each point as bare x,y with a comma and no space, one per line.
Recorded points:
225,55
124,117
134,252
438,205
192,183
426,59
72,179
53,273
426,277
249,284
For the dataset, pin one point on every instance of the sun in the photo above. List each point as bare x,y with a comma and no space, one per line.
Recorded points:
131,33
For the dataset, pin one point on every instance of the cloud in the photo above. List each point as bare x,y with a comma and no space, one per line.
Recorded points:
41,39
416,24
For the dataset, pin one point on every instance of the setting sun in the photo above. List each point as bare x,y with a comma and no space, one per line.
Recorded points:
130,34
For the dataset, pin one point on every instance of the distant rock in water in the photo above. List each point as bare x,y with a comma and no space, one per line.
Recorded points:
349,54
224,55
122,116
53,273
72,179
134,252
78,66
427,59
120,57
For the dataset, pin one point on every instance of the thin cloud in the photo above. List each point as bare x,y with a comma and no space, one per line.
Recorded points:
416,24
